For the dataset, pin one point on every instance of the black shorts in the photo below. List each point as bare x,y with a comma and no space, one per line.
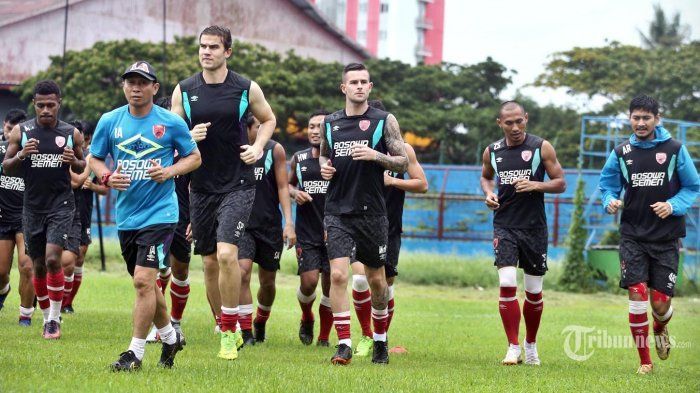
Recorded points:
312,257
219,218
46,228
180,248
147,247
74,235
9,231
366,236
262,246
85,235
652,263
393,247
523,248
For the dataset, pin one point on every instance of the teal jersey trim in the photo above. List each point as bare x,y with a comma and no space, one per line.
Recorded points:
328,136
536,159
244,104
24,139
299,175
493,162
268,161
671,167
378,132
69,142
186,105
623,168
161,257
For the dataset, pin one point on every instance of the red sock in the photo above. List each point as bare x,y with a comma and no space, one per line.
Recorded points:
77,280
67,290
245,316
229,318
179,292
217,319
262,314
532,311
379,318
363,309
306,303
341,320
660,321
639,321
162,281
390,307
509,308
326,323
42,293
54,284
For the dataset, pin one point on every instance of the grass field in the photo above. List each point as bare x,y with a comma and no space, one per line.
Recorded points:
453,335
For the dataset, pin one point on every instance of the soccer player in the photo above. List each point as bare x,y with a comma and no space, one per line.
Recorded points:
264,237
661,184
11,196
214,103
141,139
519,162
308,189
42,148
358,144
88,185
180,252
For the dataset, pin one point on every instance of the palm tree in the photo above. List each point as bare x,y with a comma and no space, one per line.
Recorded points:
665,33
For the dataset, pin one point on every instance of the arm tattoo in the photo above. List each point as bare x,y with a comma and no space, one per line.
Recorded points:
324,149
397,161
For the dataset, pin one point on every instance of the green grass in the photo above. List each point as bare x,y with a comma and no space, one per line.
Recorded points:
453,335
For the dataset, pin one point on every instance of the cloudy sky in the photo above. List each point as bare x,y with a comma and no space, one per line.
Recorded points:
522,34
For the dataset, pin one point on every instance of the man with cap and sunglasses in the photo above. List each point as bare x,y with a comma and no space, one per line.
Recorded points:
141,139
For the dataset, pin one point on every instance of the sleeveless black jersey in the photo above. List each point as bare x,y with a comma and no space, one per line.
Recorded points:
309,220
395,198
46,177
357,186
182,190
649,176
88,198
518,210
11,193
266,211
225,105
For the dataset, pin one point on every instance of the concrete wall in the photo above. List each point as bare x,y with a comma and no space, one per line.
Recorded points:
279,25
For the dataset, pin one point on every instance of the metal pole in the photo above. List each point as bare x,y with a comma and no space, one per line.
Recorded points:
99,230
165,52
65,40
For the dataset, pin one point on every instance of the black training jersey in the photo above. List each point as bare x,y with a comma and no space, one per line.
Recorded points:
46,177
309,220
88,197
395,198
225,105
357,186
266,211
11,193
524,161
182,190
648,176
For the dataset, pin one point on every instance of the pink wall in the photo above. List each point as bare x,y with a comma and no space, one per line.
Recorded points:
435,13
353,8
373,26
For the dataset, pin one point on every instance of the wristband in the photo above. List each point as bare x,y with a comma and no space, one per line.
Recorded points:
105,178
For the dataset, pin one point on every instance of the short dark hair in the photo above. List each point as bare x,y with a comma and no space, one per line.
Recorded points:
510,104
82,126
47,87
15,116
219,31
319,112
164,102
645,103
354,67
249,119
377,104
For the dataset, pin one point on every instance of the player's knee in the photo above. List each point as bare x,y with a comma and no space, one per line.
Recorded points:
359,283
25,268
339,277
660,302
638,292
143,284
533,284
507,277
226,256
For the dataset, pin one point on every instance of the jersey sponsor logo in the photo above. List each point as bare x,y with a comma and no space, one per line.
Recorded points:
12,183
46,160
343,149
526,155
138,146
302,157
315,186
137,169
158,131
364,125
626,149
648,179
259,172
660,158
509,177
60,141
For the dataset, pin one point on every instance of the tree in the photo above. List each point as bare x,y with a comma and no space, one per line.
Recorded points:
665,33
578,275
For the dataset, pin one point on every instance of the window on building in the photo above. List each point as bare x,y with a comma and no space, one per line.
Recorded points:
384,8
